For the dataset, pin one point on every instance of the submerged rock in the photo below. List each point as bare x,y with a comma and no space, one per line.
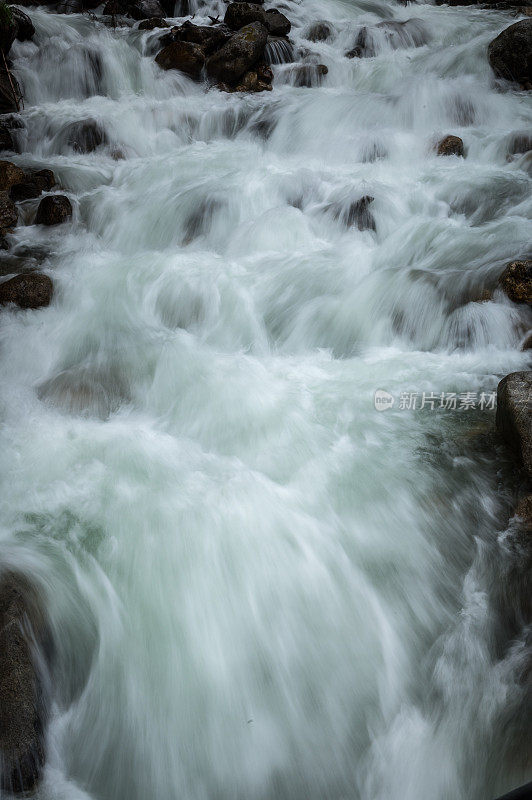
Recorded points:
307,75
243,51
356,213
23,695
319,32
33,290
514,415
84,136
53,210
510,53
516,281
450,146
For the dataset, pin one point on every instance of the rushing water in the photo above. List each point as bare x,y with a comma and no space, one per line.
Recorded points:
260,586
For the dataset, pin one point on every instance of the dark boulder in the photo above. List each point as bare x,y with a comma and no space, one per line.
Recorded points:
239,14
152,24
8,28
32,185
146,9
242,52
6,138
516,281
25,29
319,32
116,8
184,56
510,53
24,638
8,213
514,415
277,23
84,136
28,189
53,210
33,290
450,146
10,175
209,38
45,178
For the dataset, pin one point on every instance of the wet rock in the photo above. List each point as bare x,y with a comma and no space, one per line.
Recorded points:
6,138
53,210
242,52
10,174
510,53
32,185
8,28
88,390
84,136
516,281
24,639
8,213
307,75
146,9
450,146
184,56
45,178
240,14
277,23
514,415
25,29
28,189
209,38
33,290
319,32
152,24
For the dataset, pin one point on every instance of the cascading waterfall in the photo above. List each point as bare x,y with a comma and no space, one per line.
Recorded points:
261,587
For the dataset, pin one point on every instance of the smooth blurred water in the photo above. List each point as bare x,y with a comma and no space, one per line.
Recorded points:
260,586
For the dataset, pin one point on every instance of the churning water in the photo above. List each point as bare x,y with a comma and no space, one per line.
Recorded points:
260,586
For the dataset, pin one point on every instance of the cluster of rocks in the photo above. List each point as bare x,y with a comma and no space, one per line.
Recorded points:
31,290
231,54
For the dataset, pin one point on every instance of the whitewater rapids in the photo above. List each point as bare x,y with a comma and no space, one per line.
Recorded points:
260,586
